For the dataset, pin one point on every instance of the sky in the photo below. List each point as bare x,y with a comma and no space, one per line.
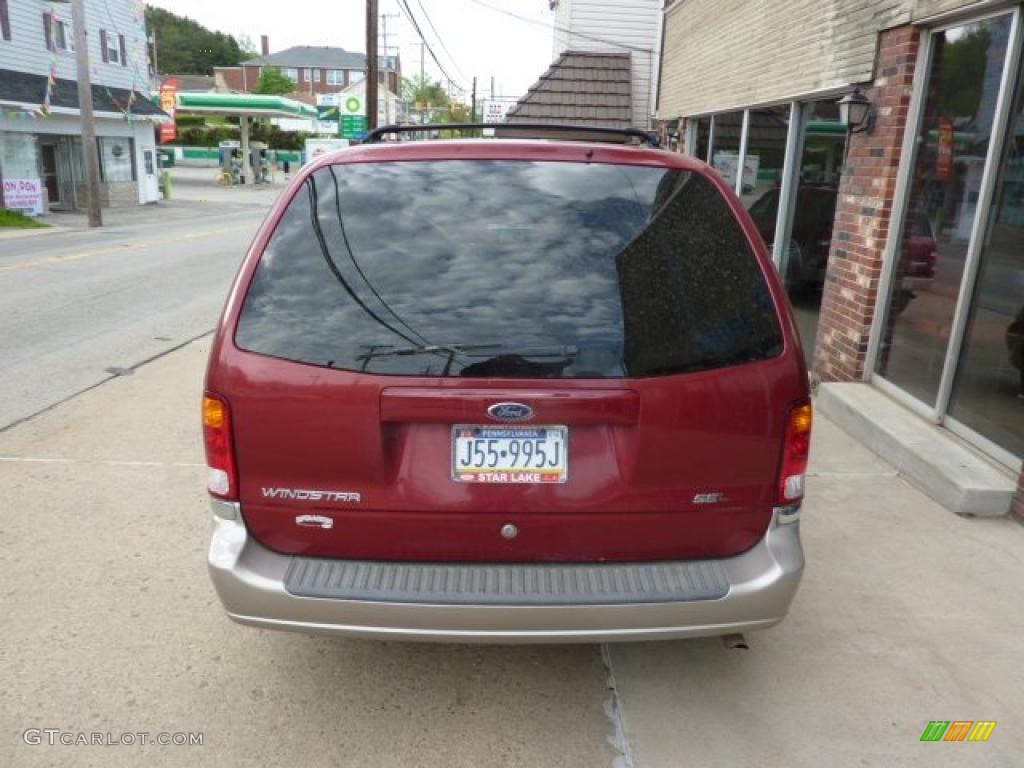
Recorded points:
481,41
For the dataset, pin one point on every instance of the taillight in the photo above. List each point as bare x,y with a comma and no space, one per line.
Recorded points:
795,453
220,450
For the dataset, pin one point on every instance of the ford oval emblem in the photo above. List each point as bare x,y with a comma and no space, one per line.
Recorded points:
510,412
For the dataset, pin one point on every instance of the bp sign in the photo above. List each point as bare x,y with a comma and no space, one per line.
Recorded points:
354,106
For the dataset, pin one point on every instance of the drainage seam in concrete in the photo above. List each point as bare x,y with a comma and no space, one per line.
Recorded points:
108,379
613,710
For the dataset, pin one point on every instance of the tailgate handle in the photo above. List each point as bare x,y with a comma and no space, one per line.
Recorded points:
428,405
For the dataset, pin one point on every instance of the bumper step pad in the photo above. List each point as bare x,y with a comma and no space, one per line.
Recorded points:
512,584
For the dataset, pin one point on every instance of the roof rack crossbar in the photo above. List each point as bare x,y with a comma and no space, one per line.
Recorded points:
647,137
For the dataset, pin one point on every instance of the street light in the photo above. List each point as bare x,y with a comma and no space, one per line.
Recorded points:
856,112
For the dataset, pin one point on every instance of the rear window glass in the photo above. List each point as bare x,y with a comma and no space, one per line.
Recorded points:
509,268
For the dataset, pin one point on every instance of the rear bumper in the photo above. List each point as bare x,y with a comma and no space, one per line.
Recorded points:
253,584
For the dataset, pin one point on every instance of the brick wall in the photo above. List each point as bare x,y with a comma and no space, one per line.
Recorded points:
863,214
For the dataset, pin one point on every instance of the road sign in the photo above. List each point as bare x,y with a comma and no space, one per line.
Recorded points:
353,126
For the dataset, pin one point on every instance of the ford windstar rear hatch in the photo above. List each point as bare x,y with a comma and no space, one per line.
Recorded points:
508,360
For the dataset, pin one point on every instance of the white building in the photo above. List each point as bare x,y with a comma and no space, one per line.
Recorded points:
630,27
40,127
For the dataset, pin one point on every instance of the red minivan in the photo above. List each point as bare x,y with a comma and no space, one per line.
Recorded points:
510,391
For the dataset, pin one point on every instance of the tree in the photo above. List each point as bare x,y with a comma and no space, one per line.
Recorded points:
188,48
422,93
273,82
248,48
458,113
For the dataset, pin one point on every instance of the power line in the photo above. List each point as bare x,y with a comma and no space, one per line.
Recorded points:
408,12
564,30
440,39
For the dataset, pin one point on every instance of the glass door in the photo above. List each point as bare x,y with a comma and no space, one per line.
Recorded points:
988,391
951,148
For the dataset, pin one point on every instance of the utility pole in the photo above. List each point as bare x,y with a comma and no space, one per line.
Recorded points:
386,53
423,84
384,31
472,118
372,79
89,148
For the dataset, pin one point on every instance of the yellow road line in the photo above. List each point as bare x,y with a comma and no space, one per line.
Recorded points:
120,248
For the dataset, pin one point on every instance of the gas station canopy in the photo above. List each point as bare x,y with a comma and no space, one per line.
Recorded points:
244,105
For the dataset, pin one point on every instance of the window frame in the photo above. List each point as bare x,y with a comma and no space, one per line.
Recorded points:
111,47
937,412
749,255
5,21
101,142
52,25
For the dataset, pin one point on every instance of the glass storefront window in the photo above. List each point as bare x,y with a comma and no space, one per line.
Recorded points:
116,159
725,153
953,139
19,158
703,127
766,153
809,238
988,392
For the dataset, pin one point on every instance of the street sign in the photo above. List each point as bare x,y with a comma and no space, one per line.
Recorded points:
494,110
353,126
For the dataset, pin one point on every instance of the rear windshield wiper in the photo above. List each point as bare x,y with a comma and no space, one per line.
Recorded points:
564,353
449,350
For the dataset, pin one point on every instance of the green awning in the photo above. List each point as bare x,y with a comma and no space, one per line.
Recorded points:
248,104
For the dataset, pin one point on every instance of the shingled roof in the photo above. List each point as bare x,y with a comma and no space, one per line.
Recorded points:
584,88
26,88
320,56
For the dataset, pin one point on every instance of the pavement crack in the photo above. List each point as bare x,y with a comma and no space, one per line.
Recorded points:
618,738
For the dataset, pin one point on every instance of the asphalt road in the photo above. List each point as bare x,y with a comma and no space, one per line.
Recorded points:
80,305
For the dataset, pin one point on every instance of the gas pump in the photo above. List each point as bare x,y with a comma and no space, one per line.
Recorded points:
258,159
230,160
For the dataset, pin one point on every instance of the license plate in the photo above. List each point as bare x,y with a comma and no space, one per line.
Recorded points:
486,454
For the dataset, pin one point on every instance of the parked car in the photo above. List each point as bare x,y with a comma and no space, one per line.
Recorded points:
507,390
811,236
919,251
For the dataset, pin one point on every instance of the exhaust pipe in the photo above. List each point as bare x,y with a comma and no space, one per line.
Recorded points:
735,641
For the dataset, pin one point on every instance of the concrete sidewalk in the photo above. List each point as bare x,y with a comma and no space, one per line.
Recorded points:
907,614
195,195
111,623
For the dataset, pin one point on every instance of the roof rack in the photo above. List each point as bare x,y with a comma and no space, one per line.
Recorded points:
376,136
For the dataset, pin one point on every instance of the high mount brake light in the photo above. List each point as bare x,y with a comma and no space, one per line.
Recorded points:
220,450
795,453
